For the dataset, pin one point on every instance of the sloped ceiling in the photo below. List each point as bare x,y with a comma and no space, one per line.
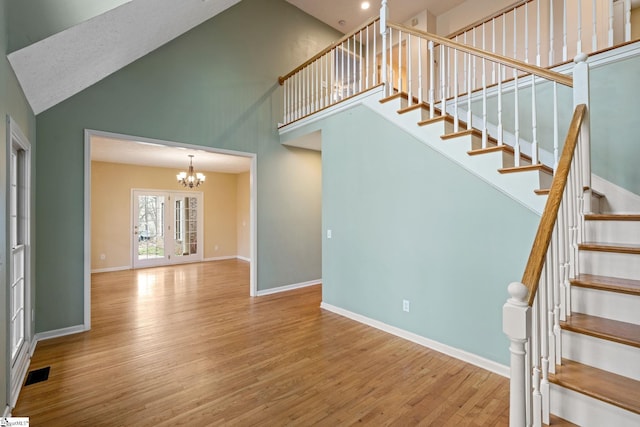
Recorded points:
57,67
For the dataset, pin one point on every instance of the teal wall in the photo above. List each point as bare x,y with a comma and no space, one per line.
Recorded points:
13,103
34,20
615,128
407,223
216,86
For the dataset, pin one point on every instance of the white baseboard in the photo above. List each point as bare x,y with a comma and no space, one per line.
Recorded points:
465,356
220,258
110,269
244,258
7,412
288,287
41,336
32,347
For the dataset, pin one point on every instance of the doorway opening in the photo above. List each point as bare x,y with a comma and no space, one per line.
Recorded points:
138,215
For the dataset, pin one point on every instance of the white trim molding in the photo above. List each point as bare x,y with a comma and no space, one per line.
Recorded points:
111,269
220,258
243,258
7,411
41,336
286,288
456,353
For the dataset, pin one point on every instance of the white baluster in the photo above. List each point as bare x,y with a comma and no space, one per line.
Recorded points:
443,89
466,65
579,41
564,30
493,49
354,72
383,65
500,135
400,88
346,82
538,41
391,61
469,115
556,154
516,146
432,97
534,122
504,42
342,75
594,36
551,34
473,67
610,32
409,71
535,343
581,96
485,136
545,335
420,86
515,33
456,120
526,32
516,324
627,20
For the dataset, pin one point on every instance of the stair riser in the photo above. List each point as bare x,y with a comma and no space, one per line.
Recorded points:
603,354
611,305
627,232
588,412
626,266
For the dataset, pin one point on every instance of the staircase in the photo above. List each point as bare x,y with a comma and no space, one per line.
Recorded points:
598,380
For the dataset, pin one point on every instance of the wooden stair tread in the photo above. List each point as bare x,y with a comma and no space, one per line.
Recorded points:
394,96
539,166
612,217
542,191
607,247
607,329
413,107
605,283
614,389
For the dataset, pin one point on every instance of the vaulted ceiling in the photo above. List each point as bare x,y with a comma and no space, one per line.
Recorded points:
85,41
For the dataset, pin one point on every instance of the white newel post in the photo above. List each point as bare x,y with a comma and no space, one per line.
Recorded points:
581,96
516,324
384,15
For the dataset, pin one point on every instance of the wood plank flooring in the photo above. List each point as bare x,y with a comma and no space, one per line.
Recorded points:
187,345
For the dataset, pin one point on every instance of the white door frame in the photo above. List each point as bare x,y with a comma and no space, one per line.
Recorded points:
253,173
15,138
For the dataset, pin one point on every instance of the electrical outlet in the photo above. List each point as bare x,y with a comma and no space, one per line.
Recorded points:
405,305
328,234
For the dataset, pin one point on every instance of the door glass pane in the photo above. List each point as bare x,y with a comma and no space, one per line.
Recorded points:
186,231
150,227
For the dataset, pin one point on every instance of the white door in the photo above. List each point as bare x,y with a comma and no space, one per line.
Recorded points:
19,239
167,228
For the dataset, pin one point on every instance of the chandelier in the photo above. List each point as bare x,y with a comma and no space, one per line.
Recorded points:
190,179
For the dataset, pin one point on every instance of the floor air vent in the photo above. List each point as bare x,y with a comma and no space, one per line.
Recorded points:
38,375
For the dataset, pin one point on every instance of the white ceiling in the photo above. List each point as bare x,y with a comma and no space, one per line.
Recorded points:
64,64
146,153
331,12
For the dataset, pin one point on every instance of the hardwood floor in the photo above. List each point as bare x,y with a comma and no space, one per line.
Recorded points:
187,345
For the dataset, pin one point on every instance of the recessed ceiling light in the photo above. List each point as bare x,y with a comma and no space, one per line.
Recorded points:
365,5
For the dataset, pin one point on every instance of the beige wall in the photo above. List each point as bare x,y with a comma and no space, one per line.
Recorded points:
111,186
243,199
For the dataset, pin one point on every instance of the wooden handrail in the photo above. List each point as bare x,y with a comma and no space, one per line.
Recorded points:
509,62
329,48
533,270
488,18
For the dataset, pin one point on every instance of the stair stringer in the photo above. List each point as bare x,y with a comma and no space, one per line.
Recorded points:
519,186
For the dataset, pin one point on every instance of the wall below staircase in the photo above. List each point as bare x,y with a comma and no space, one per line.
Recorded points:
408,223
